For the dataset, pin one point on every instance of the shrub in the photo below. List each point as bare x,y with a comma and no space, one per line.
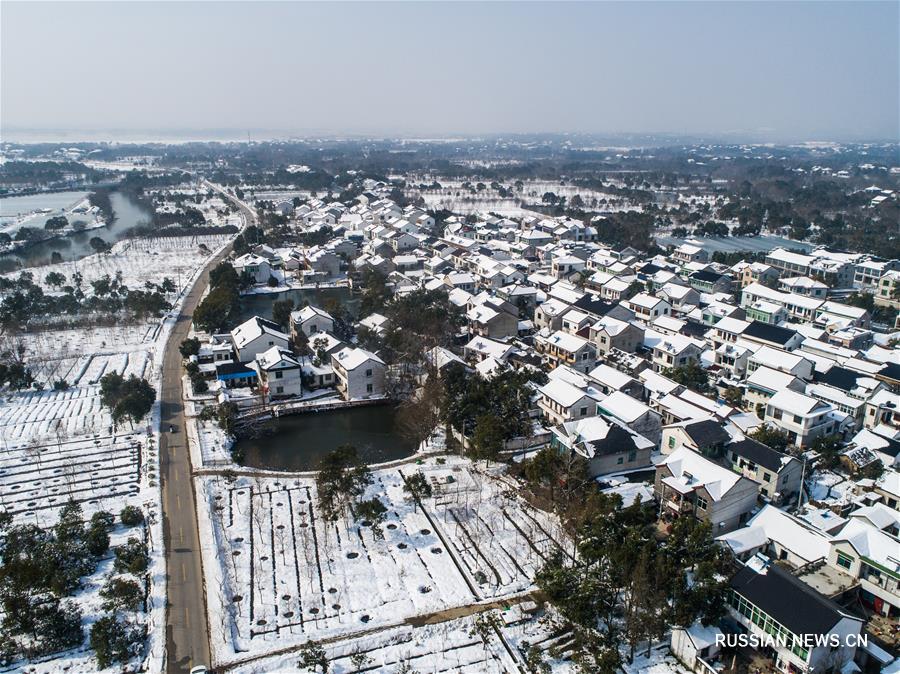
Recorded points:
131,516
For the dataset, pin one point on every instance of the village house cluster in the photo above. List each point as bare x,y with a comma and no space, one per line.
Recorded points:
672,365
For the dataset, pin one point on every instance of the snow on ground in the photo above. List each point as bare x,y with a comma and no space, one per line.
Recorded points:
139,261
829,487
449,646
81,660
57,445
278,575
452,196
454,645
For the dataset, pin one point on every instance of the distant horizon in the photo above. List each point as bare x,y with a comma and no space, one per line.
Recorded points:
146,136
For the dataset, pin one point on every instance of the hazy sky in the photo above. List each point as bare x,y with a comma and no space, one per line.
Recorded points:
809,70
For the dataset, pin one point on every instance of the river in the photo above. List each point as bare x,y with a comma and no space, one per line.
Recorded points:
74,246
300,441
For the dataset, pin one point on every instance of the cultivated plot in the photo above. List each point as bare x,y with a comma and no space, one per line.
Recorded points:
278,574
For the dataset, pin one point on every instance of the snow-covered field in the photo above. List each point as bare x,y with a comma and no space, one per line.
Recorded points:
278,575
57,445
139,261
449,646
452,196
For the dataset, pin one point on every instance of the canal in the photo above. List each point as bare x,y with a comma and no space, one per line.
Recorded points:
298,442
128,214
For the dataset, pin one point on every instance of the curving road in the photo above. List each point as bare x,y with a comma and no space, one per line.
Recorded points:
187,633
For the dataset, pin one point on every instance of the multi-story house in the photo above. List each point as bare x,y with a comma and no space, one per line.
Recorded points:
560,401
834,271
633,413
777,474
776,359
803,285
671,351
310,320
765,382
256,335
280,374
679,296
869,274
802,417
611,333
493,318
359,373
775,336
548,314
872,556
709,281
798,307
888,294
687,252
755,272
254,267
704,436
608,445
772,604
562,348
690,485
647,307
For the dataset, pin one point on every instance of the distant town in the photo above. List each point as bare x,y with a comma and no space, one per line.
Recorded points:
548,403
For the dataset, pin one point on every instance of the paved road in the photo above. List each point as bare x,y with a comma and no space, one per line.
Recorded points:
187,635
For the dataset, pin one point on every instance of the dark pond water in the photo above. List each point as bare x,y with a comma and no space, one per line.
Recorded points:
261,304
76,246
300,441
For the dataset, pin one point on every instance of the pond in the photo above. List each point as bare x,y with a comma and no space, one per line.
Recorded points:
300,441
14,211
128,213
260,304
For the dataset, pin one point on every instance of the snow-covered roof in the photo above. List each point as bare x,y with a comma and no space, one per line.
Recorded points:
308,312
253,328
489,347
871,542
623,407
796,403
351,358
610,376
562,392
691,471
566,341
791,533
276,358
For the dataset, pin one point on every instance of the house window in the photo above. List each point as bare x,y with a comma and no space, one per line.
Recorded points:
701,503
632,456
766,477
279,389
671,441
620,460
279,374
583,411
368,388
368,373
845,561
